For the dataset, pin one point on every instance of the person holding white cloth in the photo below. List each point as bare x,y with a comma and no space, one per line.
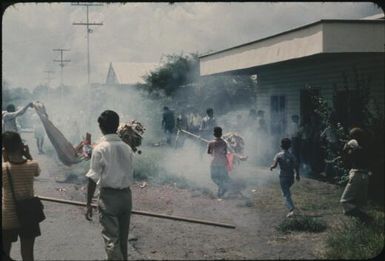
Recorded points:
112,170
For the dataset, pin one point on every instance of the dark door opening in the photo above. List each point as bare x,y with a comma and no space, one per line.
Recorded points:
306,105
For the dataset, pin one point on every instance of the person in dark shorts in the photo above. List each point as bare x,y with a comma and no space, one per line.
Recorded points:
288,164
18,161
218,149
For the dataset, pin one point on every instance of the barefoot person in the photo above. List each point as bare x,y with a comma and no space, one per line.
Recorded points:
111,168
218,149
39,133
18,162
288,165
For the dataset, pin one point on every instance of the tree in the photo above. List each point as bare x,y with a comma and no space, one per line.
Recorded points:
177,70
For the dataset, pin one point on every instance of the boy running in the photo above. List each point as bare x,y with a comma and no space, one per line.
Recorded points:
287,164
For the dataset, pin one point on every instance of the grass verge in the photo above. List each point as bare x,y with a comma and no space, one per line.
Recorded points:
354,240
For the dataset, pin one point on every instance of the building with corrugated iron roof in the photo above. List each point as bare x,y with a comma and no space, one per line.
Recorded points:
323,57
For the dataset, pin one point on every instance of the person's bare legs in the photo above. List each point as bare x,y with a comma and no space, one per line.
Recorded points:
41,145
26,247
38,145
6,250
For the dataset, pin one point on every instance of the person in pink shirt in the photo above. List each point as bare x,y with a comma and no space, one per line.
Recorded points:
218,168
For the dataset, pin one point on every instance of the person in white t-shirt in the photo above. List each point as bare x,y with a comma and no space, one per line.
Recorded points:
112,170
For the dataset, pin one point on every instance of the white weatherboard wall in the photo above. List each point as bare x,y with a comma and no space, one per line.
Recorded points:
323,72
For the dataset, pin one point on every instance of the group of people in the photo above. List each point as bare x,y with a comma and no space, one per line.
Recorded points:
313,146
111,168
191,122
355,157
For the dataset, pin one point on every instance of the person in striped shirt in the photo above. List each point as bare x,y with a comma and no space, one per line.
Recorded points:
18,161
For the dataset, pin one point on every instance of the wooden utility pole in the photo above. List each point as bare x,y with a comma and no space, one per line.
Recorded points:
49,78
87,24
62,63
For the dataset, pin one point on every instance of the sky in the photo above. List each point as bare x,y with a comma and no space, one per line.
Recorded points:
142,32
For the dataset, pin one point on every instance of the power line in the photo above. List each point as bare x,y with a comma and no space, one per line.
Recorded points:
87,24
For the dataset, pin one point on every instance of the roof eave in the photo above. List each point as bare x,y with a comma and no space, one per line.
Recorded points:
293,30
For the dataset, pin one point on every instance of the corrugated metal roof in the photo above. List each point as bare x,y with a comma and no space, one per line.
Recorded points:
132,73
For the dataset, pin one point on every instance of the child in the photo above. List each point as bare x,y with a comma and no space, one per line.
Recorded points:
218,149
287,164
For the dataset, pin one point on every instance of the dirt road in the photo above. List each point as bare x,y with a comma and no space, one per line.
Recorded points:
67,235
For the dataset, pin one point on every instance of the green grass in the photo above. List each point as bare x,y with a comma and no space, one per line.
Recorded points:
321,199
354,240
302,223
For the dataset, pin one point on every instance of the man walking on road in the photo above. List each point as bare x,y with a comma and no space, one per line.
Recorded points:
111,169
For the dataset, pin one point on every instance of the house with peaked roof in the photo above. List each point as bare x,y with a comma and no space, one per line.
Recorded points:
328,57
128,73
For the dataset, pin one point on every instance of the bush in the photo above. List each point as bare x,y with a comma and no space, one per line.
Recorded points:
302,223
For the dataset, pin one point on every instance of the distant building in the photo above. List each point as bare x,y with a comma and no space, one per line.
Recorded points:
326,55
128,74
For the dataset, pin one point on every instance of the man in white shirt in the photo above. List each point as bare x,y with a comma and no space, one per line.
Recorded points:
9,117
112,170
207,125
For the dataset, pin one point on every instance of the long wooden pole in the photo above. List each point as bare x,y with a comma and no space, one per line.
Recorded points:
143,213
193,135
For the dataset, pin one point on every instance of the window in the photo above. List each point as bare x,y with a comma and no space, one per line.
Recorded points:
278,114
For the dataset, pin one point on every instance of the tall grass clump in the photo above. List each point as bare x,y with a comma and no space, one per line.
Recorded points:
301,223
